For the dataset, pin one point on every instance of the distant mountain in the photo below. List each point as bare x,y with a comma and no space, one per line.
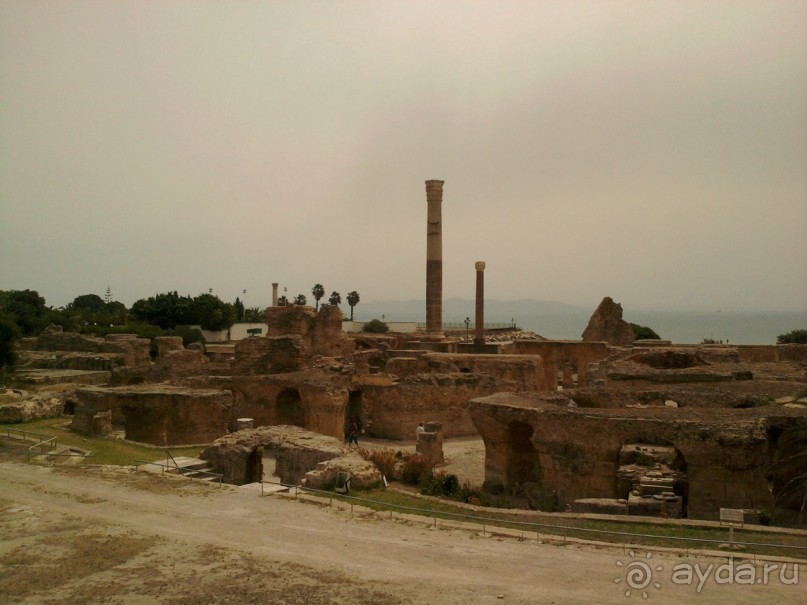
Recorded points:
457,309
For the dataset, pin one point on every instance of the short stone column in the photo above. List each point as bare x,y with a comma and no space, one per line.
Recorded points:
242,424
430,443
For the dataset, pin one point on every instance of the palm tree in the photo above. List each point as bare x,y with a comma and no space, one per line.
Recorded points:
352,300
789,470
318,291
335,299
300,299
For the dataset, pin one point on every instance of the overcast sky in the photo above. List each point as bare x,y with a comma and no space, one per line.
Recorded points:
654,152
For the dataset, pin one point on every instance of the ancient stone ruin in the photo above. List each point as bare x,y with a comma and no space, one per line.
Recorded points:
607,325
604,424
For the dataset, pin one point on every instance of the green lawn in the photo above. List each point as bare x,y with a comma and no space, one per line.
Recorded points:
105,450
646,534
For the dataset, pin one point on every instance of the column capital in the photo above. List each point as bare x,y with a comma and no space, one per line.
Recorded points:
480,265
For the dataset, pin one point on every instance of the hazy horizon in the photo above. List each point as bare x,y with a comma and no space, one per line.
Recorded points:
651,152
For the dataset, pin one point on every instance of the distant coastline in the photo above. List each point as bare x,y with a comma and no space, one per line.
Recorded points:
559,321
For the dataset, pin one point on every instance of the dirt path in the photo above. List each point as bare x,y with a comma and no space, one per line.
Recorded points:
90,535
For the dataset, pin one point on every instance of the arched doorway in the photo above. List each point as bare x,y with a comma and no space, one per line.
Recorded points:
523,463
354,412
650,469
290,408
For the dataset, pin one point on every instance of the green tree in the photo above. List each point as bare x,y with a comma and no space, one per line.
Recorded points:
166,310
88,302
793,337
239,309
254,315
644,333
210,312
375,326
26,308
283,301
352,300
318,292
188,334
117,313
335,299
789,470
300,299
89,307
9,332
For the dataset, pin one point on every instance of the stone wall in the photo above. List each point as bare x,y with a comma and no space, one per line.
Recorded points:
270,355
157,414
525,372
576,451
71,350
563,355
311,400
239,456
394,410
320,332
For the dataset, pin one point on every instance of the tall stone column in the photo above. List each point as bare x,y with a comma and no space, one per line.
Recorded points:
479,333
434,258
274,294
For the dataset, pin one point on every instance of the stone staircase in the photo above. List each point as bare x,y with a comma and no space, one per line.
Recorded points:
193,468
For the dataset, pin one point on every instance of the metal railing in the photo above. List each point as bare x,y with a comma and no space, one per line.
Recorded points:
185,472
472,326
42,441
40,445
549,530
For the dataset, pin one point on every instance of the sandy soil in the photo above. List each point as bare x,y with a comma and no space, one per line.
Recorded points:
464,456
113,536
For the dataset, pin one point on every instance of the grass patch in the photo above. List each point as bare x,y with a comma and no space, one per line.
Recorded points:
642,534
105,450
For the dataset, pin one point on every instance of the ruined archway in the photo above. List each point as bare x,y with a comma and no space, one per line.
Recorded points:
652,477
523,463
354,412
290,408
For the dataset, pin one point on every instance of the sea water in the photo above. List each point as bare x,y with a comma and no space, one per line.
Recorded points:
678,327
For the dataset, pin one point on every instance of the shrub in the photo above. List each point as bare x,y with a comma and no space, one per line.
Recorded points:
9,332
793,337
432,486
440,484
376,326
644,333
450,485
384,459
415,470
188,334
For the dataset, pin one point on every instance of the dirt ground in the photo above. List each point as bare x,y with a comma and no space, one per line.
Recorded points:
113,536
464,456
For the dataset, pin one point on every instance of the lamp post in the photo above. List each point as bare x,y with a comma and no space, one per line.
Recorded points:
244,304
285,298
467,326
